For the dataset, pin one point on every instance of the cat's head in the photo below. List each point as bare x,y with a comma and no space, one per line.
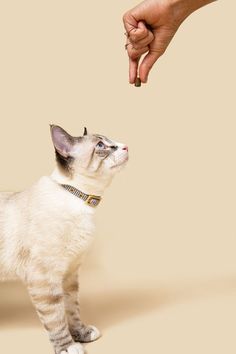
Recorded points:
90,155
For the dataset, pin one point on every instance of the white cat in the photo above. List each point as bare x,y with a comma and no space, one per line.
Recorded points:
46,229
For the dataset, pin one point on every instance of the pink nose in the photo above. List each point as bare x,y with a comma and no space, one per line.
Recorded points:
125,148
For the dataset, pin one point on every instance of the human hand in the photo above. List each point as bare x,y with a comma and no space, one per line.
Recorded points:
150,26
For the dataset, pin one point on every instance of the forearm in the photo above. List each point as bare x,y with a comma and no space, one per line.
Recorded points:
183,8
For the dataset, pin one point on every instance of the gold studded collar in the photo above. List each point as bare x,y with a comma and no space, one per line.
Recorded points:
89,199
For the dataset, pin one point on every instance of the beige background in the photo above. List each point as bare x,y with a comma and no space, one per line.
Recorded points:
161,276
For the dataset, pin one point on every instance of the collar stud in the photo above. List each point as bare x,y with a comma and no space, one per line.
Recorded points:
89,199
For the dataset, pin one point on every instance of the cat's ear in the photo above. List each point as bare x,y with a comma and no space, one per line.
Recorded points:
85,131
62,141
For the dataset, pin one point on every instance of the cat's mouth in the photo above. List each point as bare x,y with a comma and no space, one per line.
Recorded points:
121,163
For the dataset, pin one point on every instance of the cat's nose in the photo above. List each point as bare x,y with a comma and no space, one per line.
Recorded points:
125,148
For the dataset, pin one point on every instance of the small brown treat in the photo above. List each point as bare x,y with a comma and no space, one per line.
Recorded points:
137,82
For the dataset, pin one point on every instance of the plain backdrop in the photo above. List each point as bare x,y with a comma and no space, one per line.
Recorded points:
161,274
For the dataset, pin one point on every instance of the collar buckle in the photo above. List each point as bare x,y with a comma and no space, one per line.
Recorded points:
93,200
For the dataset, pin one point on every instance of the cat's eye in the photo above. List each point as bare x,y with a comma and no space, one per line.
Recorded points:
101,145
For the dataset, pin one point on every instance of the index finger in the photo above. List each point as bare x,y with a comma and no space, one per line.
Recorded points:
133,70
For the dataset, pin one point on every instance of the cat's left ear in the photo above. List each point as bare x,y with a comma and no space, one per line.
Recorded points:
62,141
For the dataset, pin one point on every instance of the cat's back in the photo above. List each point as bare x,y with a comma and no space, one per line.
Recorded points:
5,201
4,197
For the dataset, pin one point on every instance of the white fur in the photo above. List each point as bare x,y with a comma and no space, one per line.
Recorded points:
74,349
45,230
53,225
95,333
47,220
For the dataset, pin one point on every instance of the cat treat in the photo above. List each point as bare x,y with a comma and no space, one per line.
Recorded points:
137,82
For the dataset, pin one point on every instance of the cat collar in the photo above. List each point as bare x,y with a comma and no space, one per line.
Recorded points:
89,199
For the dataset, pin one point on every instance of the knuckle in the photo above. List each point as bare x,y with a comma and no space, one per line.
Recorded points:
136,46
133,54
133,37
125,17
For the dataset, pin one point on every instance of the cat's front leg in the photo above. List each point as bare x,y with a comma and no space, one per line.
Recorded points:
48,298
79,331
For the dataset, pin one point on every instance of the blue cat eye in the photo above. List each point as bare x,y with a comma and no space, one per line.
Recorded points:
101,145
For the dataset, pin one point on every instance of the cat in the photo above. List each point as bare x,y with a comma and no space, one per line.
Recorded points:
46,229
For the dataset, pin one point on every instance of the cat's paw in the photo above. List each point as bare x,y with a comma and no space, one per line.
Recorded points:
86,334
75,348
94,333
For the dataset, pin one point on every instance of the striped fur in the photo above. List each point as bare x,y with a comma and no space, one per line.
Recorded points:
45,232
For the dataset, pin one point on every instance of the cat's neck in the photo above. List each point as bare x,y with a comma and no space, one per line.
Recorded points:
85,184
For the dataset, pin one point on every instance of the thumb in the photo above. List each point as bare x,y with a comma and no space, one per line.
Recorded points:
147,64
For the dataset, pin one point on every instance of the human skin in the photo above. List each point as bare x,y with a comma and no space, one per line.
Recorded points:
150,26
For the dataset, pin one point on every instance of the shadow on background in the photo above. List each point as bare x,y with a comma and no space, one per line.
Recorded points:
15,306
110,307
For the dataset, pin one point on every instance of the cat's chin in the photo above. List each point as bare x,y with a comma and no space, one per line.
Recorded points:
120,165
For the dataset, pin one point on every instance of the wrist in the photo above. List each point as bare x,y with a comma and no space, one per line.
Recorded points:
183,8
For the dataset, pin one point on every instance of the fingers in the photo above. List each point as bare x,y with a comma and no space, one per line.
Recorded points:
134,57
134,53
130,23
162,38
139,33
147,64
138,39
154,44
133,70
140,36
